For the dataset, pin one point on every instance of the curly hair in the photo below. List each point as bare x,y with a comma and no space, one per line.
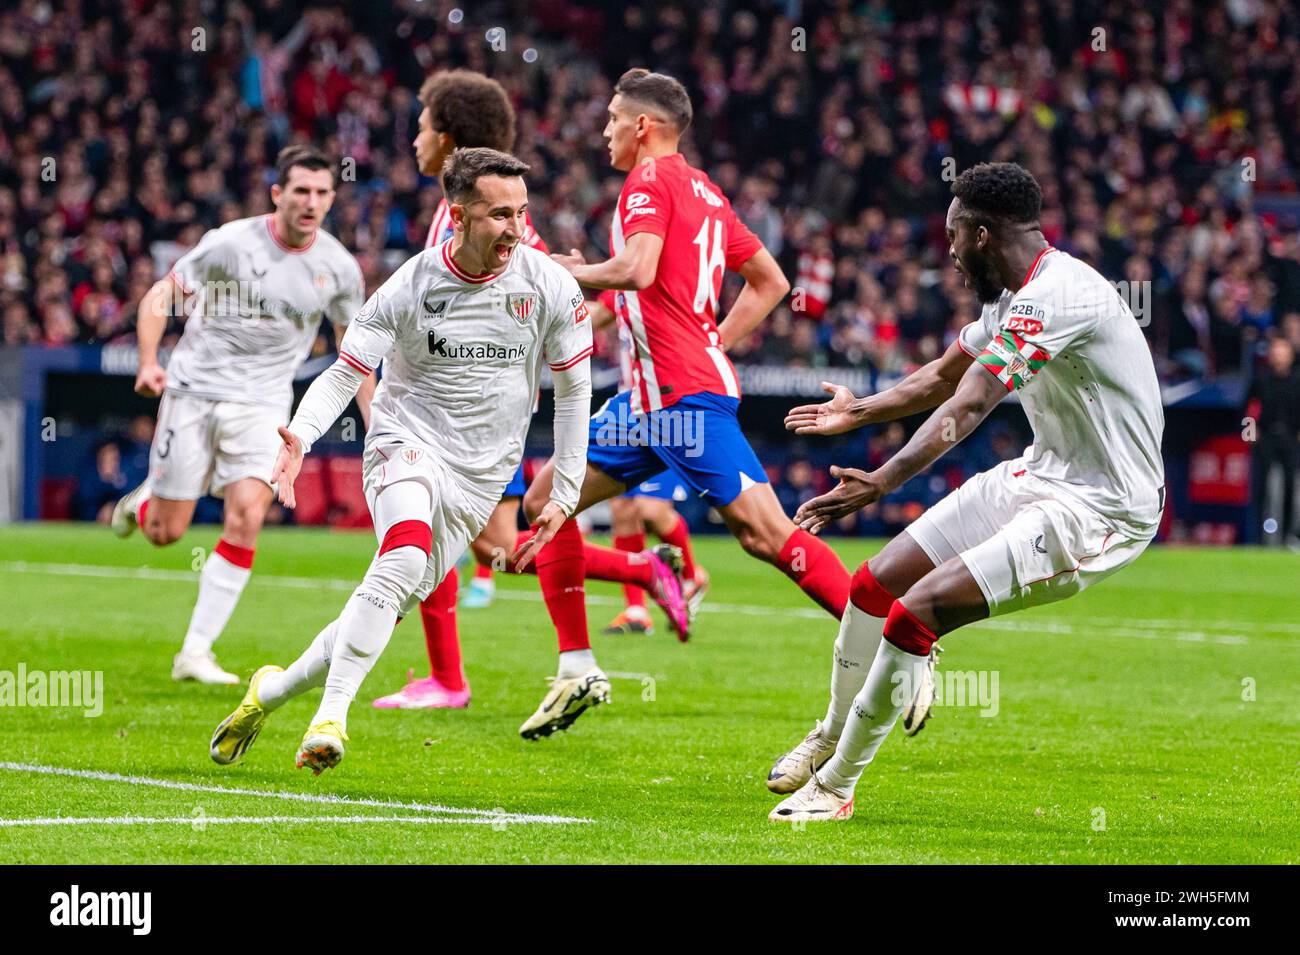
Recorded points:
999,193
471,108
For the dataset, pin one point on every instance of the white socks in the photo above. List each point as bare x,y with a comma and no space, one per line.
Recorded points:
575,663
855,648
220,585
365,627
305,673
895,674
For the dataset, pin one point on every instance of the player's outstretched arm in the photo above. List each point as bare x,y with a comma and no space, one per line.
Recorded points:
765,286
572,406
635,267
922,390
975,397
320,407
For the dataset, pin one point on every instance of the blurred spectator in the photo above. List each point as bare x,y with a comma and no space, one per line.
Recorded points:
101,482
1274,403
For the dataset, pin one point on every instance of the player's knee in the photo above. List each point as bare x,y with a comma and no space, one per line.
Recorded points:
396,573
490,553
758,544
160,532
241,526
868,594
534,500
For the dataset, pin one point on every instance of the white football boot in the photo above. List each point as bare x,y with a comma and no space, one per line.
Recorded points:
123,521
203,668
794,768
815,802
918,711
565,701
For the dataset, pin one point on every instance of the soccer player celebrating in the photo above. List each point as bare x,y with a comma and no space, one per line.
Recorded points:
258,288
673,236
467,109
462,330
1082,502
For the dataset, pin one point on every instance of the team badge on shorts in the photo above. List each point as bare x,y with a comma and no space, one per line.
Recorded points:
521,306
412,455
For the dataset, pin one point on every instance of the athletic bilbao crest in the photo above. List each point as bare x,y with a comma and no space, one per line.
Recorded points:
521,306
412,455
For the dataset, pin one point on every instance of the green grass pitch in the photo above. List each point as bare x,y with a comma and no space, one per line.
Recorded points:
1152,719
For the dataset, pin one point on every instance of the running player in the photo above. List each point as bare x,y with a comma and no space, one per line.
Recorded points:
462,330
673,235
467,109
649,505
258,288
1082,502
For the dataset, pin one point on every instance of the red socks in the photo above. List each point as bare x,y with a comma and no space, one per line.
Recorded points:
619,566
483,572
601,563
633,595
140,512
239,556
867,593
811,564
909,634
438,614
680,537
561,568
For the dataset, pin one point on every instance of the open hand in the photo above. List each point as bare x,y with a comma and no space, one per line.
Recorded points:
287,465
829,417
855,491
547,525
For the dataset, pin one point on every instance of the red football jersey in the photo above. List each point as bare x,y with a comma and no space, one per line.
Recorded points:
440,229
676,347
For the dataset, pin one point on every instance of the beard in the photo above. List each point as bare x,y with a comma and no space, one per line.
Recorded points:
984,281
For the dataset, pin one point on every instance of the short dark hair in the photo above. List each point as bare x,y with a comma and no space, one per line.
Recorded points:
307,157
999,193
661,92
471,108
461,172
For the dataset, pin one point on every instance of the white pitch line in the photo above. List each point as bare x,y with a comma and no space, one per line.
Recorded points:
1194,631
319,798
198,822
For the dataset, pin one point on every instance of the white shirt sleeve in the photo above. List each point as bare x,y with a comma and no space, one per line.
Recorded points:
351,294
370,336
196,266
324,401
568,350
1035,327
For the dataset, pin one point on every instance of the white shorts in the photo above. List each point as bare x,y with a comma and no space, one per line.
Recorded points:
202,446
1024,541
461,506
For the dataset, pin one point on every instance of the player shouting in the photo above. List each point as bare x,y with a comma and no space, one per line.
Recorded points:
258,287
673,235
462,330
467,109
1081,503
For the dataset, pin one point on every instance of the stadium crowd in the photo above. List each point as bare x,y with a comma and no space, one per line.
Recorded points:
132,127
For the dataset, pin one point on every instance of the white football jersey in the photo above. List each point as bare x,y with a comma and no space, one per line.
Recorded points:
463,354
1069,344
259,306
